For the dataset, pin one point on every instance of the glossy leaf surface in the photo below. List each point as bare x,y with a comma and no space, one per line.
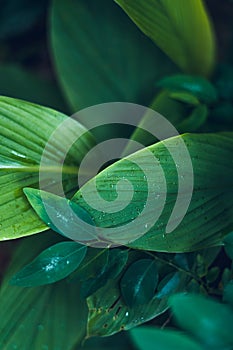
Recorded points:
139,282
209,215
52,265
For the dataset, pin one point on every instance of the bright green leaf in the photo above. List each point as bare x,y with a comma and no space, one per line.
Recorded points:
198,86
52,265
100,56
150,338
139,282
209,215
182,30
48,317
206,319
25,129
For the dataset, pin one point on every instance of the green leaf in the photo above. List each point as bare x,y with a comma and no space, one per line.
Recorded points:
184,97
117,260
206,319
139,282
149,338
60,214
15,81
92,265
183,31
100,56
228,245
208,217
198,86
25,129
48,317
52,265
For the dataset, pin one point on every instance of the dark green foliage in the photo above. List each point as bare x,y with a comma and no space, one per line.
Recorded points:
77,281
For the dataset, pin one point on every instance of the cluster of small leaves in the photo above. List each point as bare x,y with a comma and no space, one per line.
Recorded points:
207,323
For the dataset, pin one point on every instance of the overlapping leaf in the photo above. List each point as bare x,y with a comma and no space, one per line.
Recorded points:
108,311
209,215
100,56
182,31
25,129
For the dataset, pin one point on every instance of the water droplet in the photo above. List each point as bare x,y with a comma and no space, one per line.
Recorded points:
127,314
146,225
67,262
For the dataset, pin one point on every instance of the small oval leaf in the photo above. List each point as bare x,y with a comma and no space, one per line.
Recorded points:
52,265
139,282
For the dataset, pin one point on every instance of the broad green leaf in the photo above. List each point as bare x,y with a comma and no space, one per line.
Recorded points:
25,129
206,319
52,265
100,56
117,260
139,282
182,30
228,245
198,86
15,81
150,338
48,317
208,217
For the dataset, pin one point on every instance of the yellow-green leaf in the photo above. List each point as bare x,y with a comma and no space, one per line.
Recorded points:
180,28
25,130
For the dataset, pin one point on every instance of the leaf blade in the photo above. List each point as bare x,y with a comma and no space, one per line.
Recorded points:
172,28
51,265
